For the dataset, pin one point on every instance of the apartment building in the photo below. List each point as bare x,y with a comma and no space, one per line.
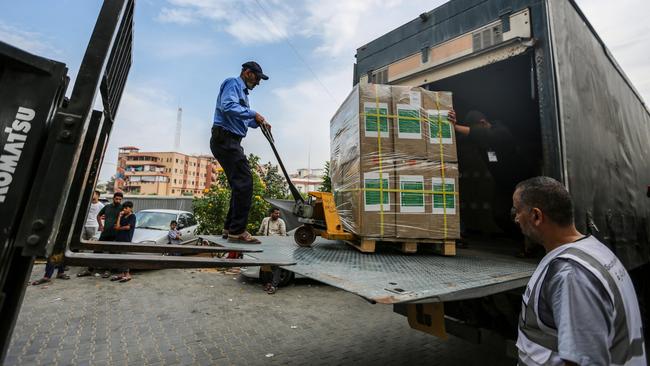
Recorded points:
307,180
163,173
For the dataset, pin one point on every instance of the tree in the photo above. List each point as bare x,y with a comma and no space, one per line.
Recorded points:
276,185
326,185
211,209
110,185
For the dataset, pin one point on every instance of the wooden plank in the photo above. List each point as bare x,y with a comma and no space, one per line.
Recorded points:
447,247
409,247
363,245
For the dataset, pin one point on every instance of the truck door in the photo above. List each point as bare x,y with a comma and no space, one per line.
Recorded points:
604,133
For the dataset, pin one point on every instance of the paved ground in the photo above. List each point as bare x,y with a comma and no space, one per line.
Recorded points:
189,317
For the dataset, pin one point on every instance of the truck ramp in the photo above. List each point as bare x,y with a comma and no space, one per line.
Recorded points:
391,277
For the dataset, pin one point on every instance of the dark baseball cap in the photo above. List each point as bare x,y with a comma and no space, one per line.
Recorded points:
256,68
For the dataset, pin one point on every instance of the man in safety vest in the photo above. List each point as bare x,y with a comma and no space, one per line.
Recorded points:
579,307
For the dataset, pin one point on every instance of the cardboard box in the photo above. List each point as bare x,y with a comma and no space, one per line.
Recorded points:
383,166
409,130
439,132
445,200
362,152
427,209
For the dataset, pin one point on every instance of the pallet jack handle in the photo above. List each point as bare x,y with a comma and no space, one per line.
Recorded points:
294,191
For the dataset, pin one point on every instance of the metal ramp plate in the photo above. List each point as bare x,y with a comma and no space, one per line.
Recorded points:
392,277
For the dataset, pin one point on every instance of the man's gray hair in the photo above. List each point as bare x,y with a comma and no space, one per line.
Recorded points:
548,195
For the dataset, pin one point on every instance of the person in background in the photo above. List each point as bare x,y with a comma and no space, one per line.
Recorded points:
91,226
505,159
174,235
273,226
109,213
124,229
49,271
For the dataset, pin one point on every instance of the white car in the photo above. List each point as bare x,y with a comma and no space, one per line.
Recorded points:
152,226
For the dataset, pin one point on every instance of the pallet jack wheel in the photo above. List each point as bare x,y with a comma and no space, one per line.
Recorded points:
304,236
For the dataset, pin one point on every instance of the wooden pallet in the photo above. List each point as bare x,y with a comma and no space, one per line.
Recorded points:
443,247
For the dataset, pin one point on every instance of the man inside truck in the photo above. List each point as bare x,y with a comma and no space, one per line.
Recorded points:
504,158
579,306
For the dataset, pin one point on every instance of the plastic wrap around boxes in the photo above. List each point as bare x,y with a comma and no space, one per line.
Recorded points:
394,164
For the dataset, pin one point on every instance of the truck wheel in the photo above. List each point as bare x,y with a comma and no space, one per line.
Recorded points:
304,236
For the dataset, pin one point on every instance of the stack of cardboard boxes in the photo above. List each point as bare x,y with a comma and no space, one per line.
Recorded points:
394,164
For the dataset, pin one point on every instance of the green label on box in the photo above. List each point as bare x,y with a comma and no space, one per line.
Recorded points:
412,199
444,200
439,125
371,119
408,120
373,196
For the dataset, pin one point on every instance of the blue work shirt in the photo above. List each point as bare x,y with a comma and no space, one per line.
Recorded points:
232,112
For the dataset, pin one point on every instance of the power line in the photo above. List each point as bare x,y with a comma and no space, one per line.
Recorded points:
286,39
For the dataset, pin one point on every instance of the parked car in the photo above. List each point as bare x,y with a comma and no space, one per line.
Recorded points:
152,225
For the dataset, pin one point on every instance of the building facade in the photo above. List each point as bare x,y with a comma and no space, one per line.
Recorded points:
307,180
163,173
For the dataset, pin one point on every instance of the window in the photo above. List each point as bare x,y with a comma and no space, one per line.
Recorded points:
174,181
379,76
177,160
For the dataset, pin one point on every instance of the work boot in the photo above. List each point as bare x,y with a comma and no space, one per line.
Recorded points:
243,238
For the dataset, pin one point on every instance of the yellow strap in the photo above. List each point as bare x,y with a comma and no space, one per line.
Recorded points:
445,192
381,189
381,180
442,169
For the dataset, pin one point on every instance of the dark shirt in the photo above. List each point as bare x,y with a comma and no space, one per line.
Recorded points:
110,213
502,154
126,235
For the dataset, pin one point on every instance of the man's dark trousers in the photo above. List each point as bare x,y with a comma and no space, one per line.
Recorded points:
226,148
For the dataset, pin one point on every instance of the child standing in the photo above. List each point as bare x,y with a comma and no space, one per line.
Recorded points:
124,228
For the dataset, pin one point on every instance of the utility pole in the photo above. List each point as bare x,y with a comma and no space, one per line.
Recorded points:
179,122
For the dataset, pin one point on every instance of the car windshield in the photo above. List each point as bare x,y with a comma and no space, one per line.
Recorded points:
154,220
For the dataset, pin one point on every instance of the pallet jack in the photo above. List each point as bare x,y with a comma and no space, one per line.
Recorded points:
318,213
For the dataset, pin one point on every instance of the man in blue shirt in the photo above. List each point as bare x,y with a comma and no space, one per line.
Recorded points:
232,118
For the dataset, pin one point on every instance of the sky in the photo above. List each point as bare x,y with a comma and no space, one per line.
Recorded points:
183,49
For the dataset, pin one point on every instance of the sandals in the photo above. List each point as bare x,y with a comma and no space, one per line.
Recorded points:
63,276
224,234
106,274
121,278
84,273
271,290
41,281
243,238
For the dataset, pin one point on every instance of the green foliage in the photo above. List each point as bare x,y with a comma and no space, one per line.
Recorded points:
326,185
276,185
211,209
